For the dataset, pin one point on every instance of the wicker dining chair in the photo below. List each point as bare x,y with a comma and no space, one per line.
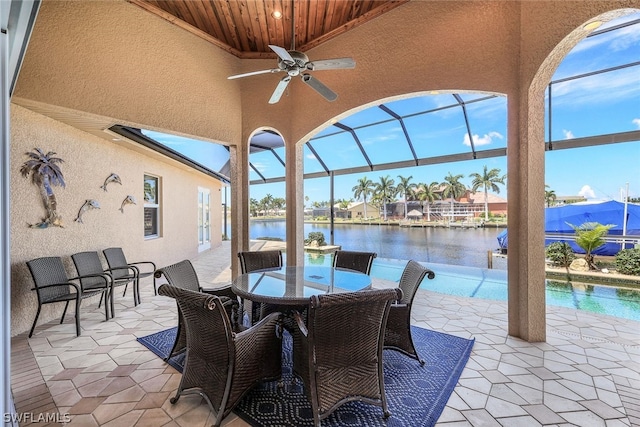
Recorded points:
220,365
88,263
53,285
121,269
398,332
259,260
354,260
338,352
183,275
251,261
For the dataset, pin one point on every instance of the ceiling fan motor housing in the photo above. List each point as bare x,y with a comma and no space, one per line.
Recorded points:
293,69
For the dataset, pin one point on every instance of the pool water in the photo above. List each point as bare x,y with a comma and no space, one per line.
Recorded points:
474,282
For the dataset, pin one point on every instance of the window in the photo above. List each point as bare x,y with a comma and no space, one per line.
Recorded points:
151,206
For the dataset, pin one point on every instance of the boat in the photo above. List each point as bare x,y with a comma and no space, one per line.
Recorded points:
558,221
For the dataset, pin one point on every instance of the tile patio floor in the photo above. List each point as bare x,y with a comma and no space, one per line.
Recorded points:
586,374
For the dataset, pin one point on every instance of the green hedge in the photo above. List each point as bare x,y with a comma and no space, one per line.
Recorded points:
628,262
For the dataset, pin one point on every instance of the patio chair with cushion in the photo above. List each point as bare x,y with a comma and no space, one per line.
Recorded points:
338,353
220,365
89,263
398,333
183,275
353,260
53,285
121,269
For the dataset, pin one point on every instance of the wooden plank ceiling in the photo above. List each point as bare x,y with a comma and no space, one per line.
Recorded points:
245,28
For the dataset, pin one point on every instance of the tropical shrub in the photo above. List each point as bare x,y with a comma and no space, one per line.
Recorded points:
628,261
318,236
590,236
560,254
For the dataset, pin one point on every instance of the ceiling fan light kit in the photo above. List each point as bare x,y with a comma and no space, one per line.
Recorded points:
296,63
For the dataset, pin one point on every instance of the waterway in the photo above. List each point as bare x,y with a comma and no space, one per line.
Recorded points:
456,246
459,257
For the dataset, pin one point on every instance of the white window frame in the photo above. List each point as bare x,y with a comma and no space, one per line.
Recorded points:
157,206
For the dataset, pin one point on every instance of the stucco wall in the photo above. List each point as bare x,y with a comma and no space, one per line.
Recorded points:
88,160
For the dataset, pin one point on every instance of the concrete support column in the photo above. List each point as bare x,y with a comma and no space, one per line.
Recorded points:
239,161
295,203
525,167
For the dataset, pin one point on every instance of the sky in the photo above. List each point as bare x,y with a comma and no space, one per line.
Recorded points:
595,105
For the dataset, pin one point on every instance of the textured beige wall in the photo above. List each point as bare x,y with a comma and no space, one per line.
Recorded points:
111,59
88,160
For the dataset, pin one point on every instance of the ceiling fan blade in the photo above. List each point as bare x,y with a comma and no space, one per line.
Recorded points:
282,85
283,54
331,64
319,87
254,73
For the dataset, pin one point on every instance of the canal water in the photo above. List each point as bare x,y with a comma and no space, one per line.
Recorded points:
456,246
459,257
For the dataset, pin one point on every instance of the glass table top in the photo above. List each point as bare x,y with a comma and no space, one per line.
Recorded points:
295,285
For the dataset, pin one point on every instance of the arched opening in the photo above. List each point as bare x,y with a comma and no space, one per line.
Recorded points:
267,188
527,300
409,143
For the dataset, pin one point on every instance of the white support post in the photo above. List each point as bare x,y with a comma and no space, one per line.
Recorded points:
5,282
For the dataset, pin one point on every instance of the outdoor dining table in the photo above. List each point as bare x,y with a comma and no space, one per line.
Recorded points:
293,286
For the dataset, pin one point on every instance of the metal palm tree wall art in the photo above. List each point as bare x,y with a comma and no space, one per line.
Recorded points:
45,173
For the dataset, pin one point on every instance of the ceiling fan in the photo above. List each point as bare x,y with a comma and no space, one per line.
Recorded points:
296,63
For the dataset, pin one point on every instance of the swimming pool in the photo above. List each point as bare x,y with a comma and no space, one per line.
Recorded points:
492,284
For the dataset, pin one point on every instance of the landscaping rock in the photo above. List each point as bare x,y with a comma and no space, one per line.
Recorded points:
579,265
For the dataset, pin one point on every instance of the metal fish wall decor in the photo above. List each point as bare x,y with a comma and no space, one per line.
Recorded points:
111,178
129,200
90,204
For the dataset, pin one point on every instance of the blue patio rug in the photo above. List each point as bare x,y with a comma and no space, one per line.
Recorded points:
416,394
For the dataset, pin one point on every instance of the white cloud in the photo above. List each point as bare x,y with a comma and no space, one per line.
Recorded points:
587,192
479,141
261,167
567,134
601,89
636,122
311,156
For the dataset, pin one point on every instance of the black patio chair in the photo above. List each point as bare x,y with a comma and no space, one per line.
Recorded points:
220,365
121,269
338,352
183,275
89,263
354,260
53,285
398,332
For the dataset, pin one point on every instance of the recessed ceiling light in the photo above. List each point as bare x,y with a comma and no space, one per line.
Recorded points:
592,25
276,14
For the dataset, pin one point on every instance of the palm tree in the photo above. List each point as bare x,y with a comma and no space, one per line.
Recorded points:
46,174
405,187
549,196
428,193
488,179
267,202
253,206
343,205
364,188
452,187
385,191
